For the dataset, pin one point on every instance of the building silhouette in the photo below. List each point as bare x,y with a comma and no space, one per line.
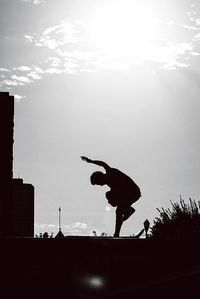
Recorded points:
6,159
22,209
16,198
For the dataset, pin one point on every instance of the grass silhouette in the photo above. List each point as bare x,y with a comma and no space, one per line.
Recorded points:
180,222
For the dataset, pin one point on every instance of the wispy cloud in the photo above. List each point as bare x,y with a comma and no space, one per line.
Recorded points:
36,2
2,69
65,41
75,228
69,50
190,27
21,79
80,225
29,37
23,68
64,33
53,61
20,76
53,71
34,75
18,97
9,83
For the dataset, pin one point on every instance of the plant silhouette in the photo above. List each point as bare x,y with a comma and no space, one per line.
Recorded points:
180,222
122,194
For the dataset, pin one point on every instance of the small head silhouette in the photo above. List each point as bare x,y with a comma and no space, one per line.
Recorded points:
98,178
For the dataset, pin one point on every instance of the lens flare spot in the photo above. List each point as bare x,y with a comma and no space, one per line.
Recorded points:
95,282
107,209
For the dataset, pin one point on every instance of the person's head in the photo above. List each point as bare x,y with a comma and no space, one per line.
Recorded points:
98,178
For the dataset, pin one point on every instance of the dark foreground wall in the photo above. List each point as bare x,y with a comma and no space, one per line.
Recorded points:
84,267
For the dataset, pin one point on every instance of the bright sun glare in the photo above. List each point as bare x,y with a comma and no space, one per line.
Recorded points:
124,29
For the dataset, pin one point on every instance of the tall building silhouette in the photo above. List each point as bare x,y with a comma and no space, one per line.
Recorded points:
6,159
22,209
16,198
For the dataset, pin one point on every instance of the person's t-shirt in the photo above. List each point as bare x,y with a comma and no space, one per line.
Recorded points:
121,183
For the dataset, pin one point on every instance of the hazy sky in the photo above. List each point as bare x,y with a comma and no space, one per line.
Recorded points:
112,80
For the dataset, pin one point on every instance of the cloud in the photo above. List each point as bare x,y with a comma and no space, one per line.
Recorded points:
13,77
53,71
34,76
9,82
64,41
2,69
69,50
53,61
21,79
42,225
18,97
80,225
38,70
196,37
49,43
190,27
168,57
75,228
23,68
29,37
70,67
195,53
59,35
51,225
36,2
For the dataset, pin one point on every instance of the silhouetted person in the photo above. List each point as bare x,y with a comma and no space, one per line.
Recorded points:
122,194
45,235
146,227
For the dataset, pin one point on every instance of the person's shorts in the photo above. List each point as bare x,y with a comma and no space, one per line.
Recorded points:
116,198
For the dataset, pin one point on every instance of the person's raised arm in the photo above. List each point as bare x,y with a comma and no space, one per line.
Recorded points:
99,163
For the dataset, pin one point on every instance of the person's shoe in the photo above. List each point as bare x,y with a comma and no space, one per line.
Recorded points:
128,214
116,235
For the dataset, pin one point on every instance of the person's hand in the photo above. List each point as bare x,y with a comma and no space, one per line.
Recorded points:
85,159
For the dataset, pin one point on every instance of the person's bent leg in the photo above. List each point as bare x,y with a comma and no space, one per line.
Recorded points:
119,221
128,212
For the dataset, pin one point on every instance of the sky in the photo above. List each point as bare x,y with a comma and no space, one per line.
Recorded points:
112,80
